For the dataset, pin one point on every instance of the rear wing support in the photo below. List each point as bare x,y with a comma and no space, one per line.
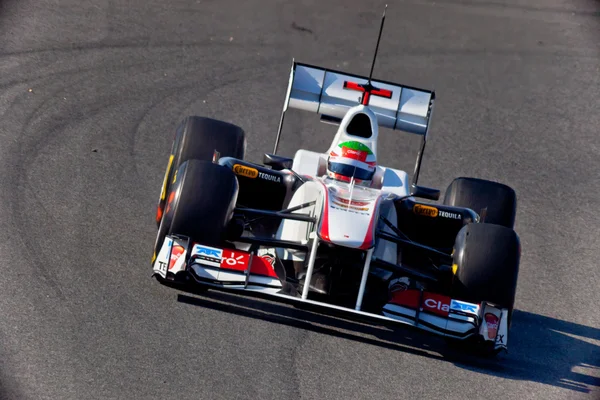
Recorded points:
332,93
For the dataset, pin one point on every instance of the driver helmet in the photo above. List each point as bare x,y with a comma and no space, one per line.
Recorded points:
349,160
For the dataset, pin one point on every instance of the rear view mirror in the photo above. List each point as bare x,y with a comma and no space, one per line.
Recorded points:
425,192
277,162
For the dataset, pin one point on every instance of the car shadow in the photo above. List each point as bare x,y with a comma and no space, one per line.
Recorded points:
541,349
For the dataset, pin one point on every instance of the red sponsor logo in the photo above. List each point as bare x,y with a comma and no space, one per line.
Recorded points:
492,325
176,252
263,265
351,202
354,154
436,304
235,260
269,258
433,303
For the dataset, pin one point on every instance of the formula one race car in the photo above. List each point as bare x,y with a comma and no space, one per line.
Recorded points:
335,229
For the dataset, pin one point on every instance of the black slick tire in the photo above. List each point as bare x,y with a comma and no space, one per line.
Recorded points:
198,138
487,257
498,200
199,204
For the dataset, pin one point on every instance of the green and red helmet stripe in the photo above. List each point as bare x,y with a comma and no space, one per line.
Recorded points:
354,145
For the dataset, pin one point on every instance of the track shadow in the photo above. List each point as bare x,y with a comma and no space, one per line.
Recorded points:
541,349
549,351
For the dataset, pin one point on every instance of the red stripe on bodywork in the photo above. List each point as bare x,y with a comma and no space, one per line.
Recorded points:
324,223
369,242
368,92
353,86
365,99
382,92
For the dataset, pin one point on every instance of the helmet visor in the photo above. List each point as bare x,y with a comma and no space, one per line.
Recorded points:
350,171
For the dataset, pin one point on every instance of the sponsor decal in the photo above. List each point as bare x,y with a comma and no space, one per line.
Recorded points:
354,154
492,325
162,266
352,202
210,255
176,252
446,214
270,259
162,262
402,295
436,304
237,260
346,206
354,210
264,265
433,212
457,305
367,92
358,207
242,170
356,151
268,177
428,211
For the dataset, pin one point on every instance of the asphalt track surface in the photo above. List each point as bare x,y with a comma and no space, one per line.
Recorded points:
90,93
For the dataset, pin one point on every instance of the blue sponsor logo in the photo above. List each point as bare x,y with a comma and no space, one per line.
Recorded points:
207,251
457,305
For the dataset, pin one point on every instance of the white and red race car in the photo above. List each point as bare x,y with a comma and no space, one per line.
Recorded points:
335,229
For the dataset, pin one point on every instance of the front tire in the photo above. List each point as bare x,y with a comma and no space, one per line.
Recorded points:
200,204
487,258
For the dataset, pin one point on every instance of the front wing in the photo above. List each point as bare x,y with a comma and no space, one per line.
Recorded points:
254,272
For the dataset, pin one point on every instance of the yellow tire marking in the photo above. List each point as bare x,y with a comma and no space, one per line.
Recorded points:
163,191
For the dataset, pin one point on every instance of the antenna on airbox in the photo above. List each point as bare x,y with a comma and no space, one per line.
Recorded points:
377,47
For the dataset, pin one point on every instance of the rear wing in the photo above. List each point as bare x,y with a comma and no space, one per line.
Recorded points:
331,93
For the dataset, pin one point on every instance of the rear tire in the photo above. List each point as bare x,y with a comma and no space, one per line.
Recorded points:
478,194
200,203
198,138
487,257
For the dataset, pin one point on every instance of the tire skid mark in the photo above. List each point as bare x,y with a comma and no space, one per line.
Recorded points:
115,46
31,249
